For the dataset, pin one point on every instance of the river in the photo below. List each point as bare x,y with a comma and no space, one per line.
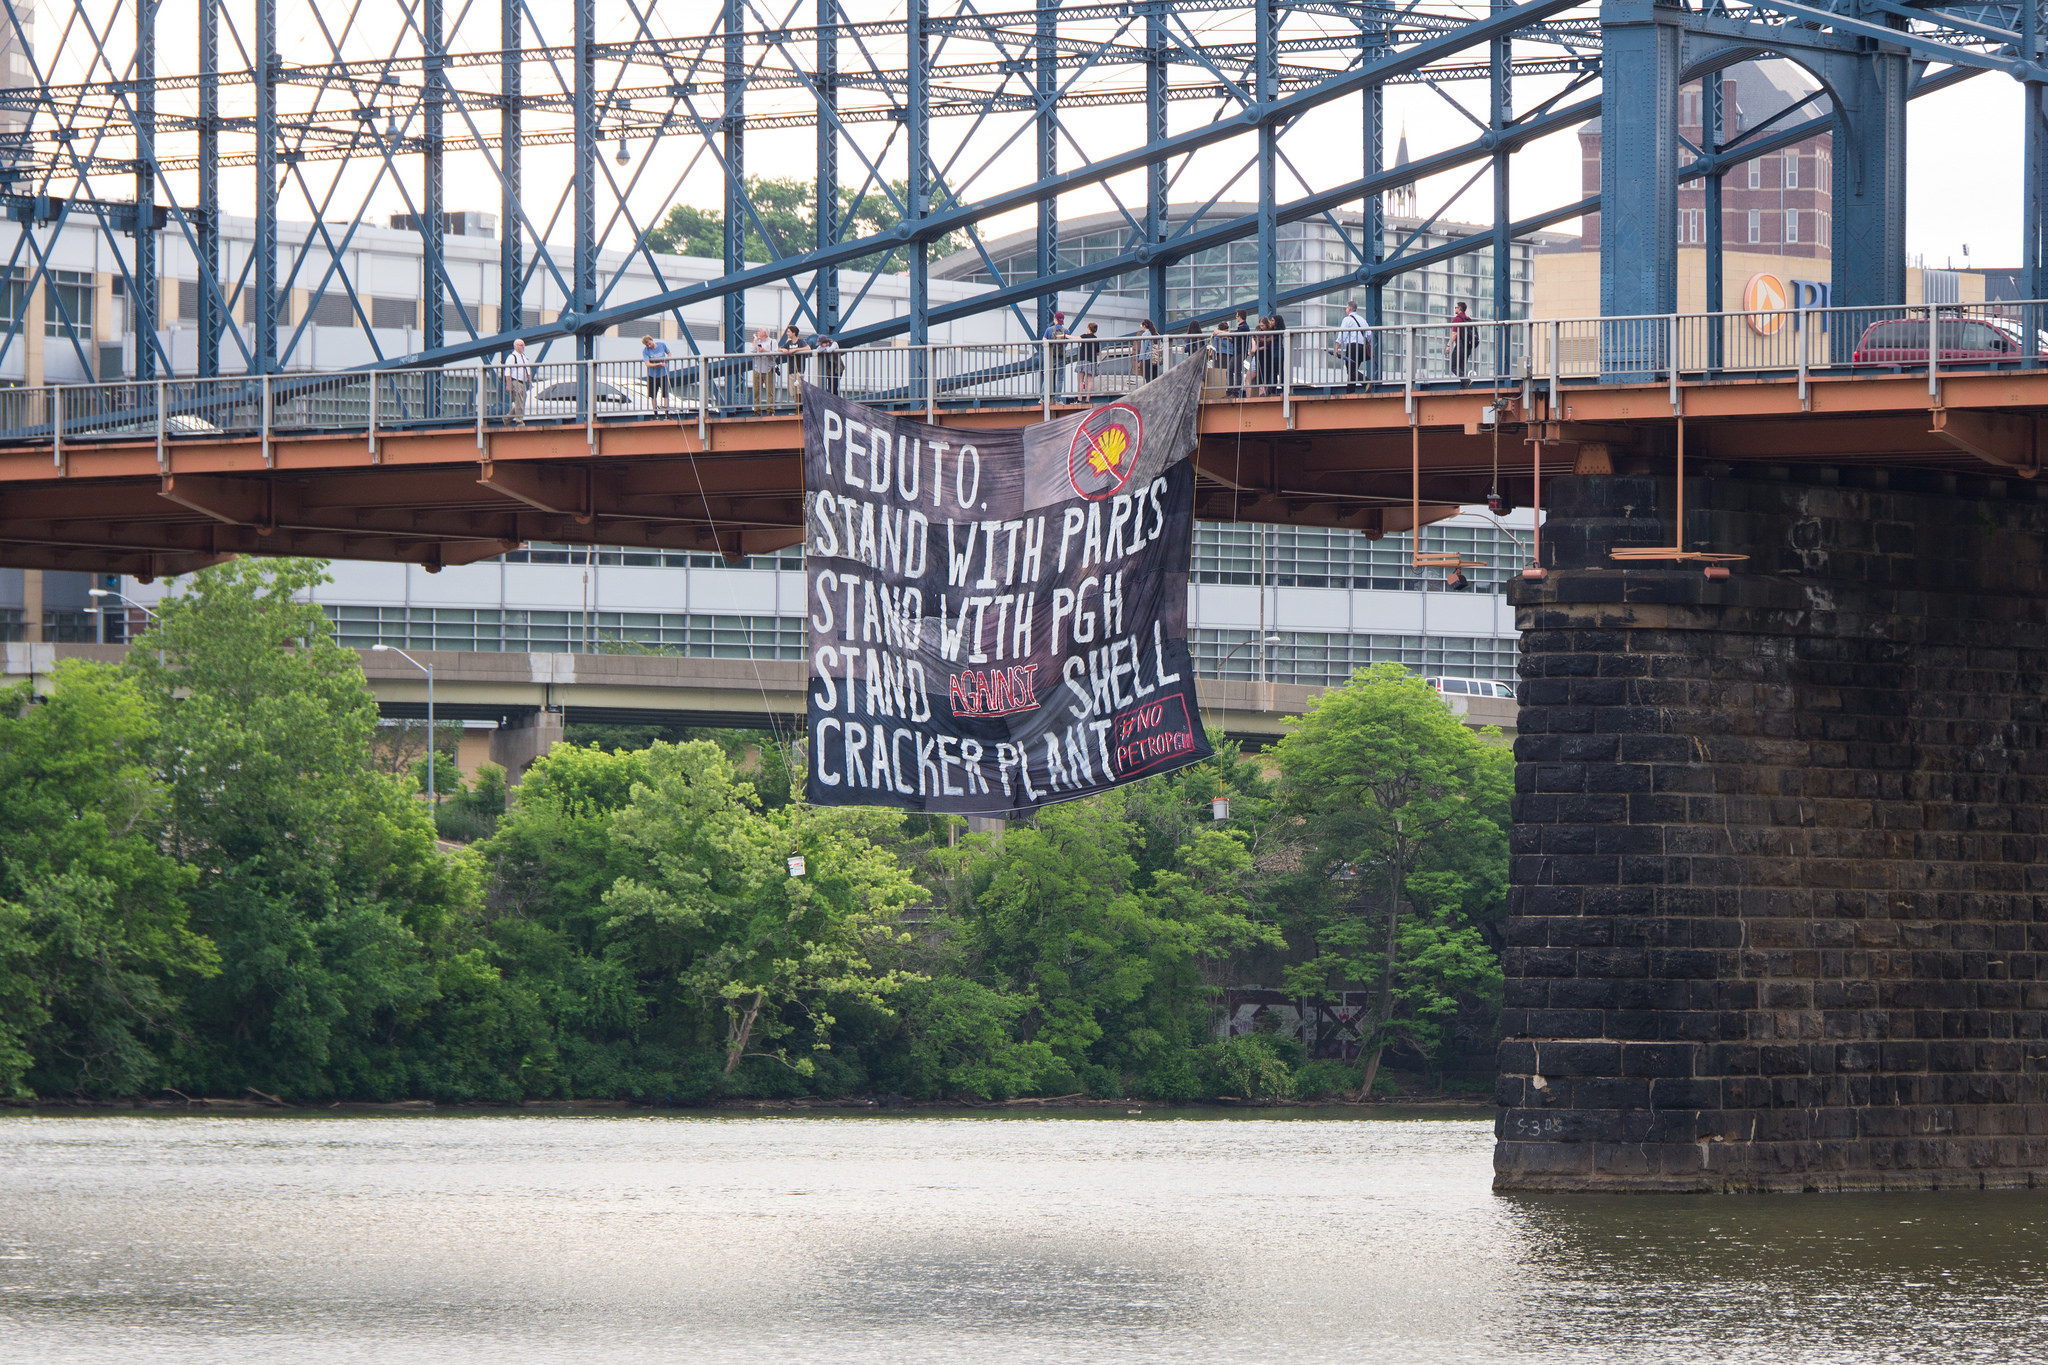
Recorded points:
902,1240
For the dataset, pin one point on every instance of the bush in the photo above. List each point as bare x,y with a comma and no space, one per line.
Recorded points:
1172,1079
1247,1068
472,813
1322,1079
458,824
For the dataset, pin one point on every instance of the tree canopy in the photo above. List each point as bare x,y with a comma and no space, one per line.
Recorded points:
784,223
215,880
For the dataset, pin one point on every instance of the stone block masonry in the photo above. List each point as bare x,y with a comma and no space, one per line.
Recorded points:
1779,907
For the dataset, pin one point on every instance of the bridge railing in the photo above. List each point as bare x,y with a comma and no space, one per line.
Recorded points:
1289,365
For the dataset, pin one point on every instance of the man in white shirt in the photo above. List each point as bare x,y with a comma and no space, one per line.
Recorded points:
516,373
763,365
1354,346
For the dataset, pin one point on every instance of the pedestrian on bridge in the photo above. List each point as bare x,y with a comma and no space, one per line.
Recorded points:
793,349
1151,348
1464,341
763,351
1089,360
1056,352
654,352
1354,347
515,374
831,360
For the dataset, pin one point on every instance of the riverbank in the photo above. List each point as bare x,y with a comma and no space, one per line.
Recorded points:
1077,1105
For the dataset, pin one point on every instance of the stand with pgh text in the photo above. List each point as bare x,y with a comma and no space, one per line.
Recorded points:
998,619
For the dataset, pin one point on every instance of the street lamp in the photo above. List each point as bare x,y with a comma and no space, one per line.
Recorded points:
1223,712
427,669
101,612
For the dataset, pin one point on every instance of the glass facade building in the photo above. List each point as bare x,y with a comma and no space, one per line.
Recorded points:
1227,276
566,608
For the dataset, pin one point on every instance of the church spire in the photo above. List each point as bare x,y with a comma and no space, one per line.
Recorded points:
1401,199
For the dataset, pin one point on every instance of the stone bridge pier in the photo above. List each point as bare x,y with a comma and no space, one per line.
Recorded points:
1779,917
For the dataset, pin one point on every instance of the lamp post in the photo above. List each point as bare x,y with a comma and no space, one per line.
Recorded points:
427,669
101,612
1261,641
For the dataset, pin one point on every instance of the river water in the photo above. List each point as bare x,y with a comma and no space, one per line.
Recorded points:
903,1240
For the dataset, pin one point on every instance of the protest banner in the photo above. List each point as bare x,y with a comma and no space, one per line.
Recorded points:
998,619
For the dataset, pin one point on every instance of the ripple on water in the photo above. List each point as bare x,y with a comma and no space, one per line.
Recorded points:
907,1240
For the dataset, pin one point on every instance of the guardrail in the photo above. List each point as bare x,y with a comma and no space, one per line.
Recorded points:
1282,364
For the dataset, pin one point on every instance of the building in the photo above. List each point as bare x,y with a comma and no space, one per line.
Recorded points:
1780,204
1227,276
1277,603
1777,223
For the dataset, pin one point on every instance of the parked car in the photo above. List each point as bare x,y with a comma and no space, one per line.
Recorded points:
559,400
175,424
1903,342
1470,687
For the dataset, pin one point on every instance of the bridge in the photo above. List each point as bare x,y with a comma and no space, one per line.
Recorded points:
433,467
1776,912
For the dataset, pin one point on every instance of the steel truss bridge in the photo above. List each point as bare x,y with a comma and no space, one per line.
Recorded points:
952,119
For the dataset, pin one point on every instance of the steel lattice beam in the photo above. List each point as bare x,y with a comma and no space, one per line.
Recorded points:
314,111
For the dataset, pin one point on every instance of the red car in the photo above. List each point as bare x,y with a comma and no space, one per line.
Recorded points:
1903,342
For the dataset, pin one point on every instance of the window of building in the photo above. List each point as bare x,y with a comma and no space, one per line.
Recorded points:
1756,178
1756,225
188,300
1791,225
284,304
1791,170
67,304
394,313
332,310
13,297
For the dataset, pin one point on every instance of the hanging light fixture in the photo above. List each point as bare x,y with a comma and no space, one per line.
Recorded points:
624,105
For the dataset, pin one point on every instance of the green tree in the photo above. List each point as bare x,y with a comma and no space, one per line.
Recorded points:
784,223
717,906
95,941
316,875
1404,814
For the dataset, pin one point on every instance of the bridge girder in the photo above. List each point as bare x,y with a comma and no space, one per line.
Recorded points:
405,96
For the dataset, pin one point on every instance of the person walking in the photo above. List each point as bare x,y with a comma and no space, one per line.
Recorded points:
1464,341
516,373
654,354
1088,360
792,349
1149,346
762,349
1354,347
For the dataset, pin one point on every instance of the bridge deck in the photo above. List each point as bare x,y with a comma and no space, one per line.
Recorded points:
158,504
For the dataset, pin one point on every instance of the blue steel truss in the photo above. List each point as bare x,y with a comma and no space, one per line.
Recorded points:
954,112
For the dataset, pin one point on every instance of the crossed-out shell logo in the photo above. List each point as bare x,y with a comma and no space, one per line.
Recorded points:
1105,451
1764,300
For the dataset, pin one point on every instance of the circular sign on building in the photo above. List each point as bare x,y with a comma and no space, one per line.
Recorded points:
1764,301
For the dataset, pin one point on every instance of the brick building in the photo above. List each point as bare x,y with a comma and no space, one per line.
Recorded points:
1778,204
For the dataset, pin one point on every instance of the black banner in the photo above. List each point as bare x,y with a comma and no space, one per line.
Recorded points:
998,619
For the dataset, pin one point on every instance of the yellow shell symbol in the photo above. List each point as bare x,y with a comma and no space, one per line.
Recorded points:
1106,451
